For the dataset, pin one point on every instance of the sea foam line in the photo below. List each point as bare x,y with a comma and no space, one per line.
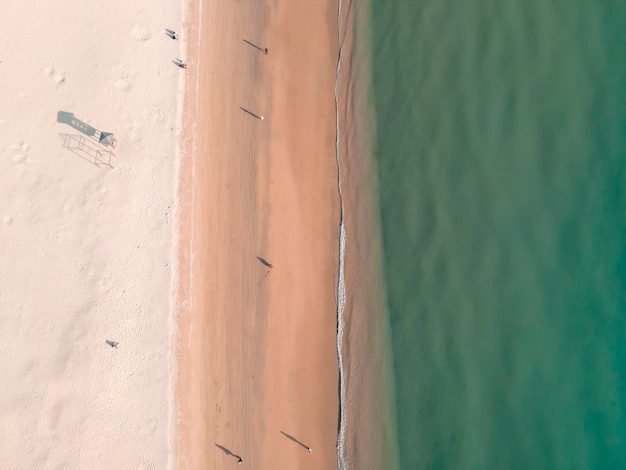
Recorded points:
341,287
341,300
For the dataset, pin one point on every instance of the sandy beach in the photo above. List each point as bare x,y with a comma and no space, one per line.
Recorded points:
166,309
257,352
87,233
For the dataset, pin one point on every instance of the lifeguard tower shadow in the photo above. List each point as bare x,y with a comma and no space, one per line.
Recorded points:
87,149
93,145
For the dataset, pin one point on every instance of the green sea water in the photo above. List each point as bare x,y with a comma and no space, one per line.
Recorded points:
501,152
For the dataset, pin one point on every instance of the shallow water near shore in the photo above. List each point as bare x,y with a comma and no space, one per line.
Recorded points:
501,135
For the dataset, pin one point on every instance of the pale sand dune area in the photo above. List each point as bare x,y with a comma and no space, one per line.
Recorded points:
88,251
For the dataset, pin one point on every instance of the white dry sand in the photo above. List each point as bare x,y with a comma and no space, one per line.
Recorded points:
88,253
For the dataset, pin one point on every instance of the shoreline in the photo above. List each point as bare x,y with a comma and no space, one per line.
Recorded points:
367,437
262,192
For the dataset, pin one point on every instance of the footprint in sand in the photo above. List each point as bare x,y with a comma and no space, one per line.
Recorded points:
49,422
58,77
21,152
148,429
122,84
139,32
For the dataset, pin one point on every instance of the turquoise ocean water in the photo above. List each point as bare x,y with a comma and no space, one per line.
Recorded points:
501,152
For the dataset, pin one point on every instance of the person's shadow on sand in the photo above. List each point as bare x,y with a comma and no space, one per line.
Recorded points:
288,436
228,452
265,262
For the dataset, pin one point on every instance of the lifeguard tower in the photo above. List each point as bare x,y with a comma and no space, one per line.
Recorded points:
91,144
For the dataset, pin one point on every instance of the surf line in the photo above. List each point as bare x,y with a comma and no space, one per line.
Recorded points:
341,288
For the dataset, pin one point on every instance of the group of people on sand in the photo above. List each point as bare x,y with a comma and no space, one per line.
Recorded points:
174,35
